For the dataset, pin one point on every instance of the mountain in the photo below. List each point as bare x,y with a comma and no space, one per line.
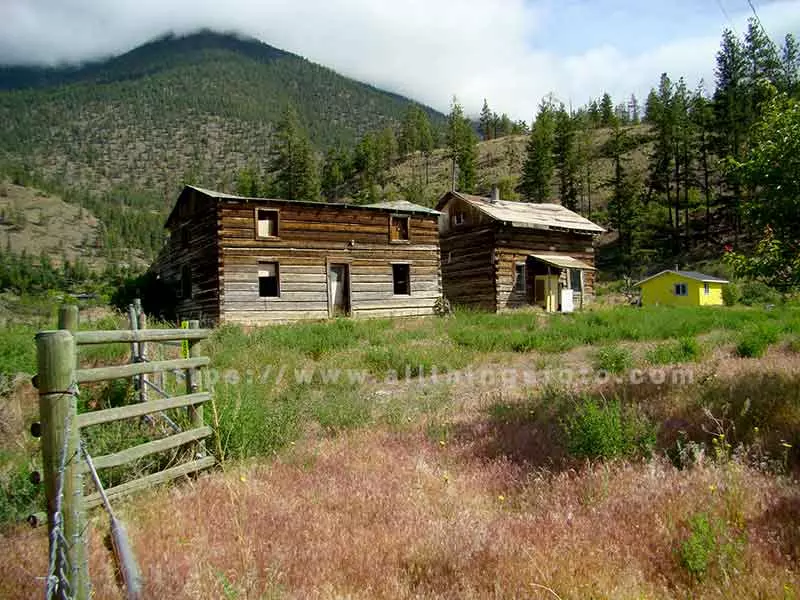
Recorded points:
197,107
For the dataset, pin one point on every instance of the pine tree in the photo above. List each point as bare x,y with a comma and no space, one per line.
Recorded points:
462,150
606,110
624,204
486,123
790,65
538,168
335,173
566,158
292,161
633,106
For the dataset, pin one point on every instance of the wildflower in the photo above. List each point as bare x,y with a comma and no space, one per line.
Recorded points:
441,442
242,478
501,497
446,477
712,488
755,429
785,444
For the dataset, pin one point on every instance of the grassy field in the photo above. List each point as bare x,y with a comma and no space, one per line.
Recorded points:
616,453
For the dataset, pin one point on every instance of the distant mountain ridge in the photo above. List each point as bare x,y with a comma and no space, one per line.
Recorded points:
199,107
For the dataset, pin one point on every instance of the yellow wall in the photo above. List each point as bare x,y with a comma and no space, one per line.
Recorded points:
661,290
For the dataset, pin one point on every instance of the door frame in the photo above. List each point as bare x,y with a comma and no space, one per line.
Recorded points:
329,263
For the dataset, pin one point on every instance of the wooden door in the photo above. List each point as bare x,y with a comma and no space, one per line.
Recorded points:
339,289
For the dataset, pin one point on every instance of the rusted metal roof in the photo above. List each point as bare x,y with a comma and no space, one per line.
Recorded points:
529,214
562,261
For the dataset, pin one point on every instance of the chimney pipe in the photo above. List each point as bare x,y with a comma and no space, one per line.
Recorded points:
495,193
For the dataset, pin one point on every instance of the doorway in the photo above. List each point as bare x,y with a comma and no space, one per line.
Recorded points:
339,290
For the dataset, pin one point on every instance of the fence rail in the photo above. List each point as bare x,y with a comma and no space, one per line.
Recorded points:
57,380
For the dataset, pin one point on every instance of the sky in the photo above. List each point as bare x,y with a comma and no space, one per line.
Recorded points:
511,52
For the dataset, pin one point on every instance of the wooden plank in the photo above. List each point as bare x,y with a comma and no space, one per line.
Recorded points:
136,452
137,410
120,371
147,481
141,335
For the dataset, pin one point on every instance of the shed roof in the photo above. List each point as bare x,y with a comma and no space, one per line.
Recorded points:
688,275
402,206
528,214
563,261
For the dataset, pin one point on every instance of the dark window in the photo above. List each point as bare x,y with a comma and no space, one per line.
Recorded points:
401,276
266,223
398,229
680,289
268,283
519,278
185,236
575,281
706,289
186,282
459,219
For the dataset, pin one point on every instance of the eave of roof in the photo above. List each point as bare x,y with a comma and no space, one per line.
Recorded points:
687,274
408,207
523,217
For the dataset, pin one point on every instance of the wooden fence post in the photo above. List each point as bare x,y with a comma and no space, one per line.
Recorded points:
141,323
193,385
68,317
61,458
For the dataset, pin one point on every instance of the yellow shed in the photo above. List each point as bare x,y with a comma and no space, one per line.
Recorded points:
681,288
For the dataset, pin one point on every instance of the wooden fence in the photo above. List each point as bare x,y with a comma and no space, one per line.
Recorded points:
58,382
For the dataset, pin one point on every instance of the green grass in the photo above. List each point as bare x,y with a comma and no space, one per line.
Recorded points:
754,341
522,332
613,359
679,351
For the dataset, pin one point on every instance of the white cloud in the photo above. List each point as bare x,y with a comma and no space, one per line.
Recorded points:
426,49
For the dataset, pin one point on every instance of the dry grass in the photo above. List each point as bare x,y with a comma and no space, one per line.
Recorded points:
382,515
474,496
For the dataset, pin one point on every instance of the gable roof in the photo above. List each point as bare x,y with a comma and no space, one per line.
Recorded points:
401,206
527,214
688,275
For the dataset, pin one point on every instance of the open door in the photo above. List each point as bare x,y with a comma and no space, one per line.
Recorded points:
546,292
339,290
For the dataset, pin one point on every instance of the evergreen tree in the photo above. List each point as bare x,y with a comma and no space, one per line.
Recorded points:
538,168
633,106
624,204
566,158
292,161
462,148
606,110
790,66
335,173
487,122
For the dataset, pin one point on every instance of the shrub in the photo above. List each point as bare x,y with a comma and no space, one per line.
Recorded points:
613,359
696,551
757,292
683,350
754,342
731,294
793,344
18,496
600,429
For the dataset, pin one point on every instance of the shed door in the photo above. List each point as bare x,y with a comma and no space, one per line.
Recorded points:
339,282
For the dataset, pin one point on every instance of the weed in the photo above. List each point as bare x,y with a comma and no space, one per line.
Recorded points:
613,359
602,429
685,349
755,341
19,497
711,548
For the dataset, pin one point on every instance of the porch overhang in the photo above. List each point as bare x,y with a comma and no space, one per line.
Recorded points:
562,261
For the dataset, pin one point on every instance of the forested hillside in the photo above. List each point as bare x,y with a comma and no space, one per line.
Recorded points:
194,108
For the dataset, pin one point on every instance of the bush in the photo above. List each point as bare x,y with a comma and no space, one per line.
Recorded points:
756,292
18,496
696,551
613,359
683,350
599,429
731,294
793,345
754,342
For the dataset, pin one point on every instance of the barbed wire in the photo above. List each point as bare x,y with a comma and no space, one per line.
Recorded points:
57,580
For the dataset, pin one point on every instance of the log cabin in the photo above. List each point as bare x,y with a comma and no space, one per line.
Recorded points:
499,255
255,261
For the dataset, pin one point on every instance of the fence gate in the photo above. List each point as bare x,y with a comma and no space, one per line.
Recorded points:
63,456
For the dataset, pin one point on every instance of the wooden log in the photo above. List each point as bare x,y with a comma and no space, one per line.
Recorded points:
147,481
68,317
122,371
61,446
133,453
138,410
193,386
143,335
